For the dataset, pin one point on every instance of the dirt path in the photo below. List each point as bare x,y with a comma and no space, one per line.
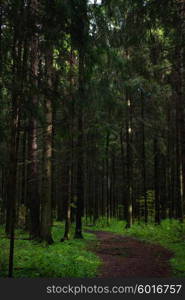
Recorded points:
129,257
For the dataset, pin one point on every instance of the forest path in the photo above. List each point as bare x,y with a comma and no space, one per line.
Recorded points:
128,257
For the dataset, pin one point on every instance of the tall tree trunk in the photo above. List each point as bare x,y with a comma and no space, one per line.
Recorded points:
156,181
180,111
80,179
129,164
82,29
46,207
144,159
107,180
33,187
124,183
13,152
67,198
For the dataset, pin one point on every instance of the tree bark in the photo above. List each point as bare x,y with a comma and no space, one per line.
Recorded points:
33,188
46,206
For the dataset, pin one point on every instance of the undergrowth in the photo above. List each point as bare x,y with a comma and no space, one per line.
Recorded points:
112,225
68,259
72,259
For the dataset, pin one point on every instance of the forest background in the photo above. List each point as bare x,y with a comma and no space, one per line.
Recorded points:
92,127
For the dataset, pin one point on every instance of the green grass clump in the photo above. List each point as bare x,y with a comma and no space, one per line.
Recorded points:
113,225
68,259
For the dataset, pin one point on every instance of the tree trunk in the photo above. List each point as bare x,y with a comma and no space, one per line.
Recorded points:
129,164
33,187
156,181
13,152
46,207
144,159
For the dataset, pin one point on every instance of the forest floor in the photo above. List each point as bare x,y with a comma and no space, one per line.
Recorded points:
129,257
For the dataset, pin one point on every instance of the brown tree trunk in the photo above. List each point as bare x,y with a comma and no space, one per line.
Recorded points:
80,179
129,164
123,162
156,181
144,159
67,198
107,179
13,153
46,202
33,187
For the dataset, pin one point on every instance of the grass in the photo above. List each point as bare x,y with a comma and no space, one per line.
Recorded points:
74,258
170,234
69,259
115,226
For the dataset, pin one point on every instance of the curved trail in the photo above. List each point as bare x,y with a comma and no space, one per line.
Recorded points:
129,257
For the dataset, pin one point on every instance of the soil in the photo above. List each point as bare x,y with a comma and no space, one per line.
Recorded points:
129,257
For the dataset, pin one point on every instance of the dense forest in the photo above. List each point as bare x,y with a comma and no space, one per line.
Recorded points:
92,118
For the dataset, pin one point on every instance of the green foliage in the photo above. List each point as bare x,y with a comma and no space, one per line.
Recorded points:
68,259
150,203
112,225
